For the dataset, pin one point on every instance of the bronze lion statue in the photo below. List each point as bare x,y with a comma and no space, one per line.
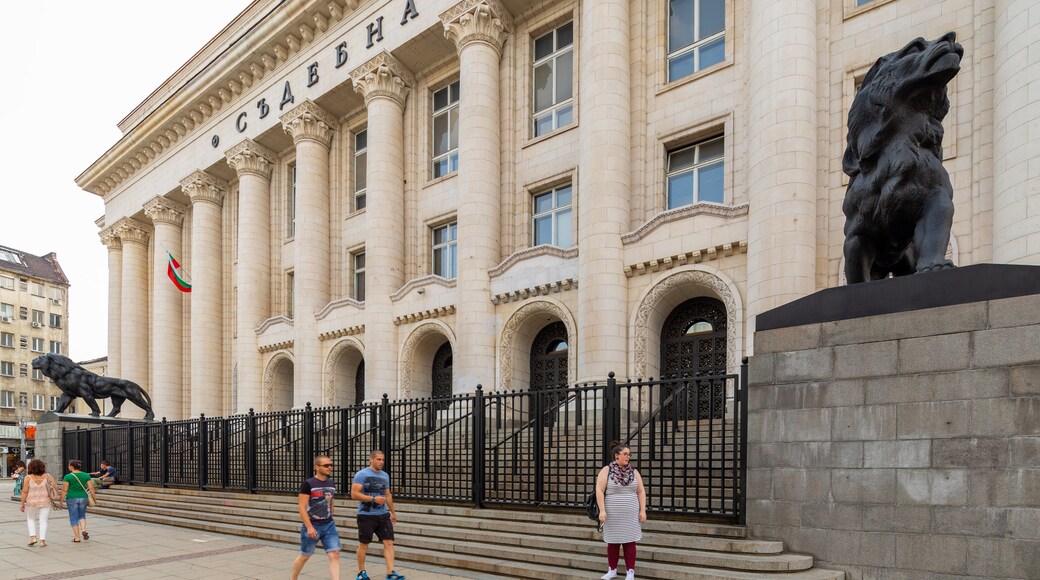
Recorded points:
899,202
75,381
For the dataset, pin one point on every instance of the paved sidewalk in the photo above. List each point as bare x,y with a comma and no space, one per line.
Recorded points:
128,550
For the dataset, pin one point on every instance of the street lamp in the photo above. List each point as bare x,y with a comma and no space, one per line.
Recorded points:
23,403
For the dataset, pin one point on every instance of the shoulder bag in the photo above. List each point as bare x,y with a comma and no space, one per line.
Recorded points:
90,497
53,493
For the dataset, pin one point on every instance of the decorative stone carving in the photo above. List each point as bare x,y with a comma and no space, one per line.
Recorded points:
699,208
424,315
251,157
477,21
272,367
203,187
328,386
165,210
410,346
704,280
132,231
416,283
382,76
509,332
691,257
534,291
341,332
308,121
110,238
529,253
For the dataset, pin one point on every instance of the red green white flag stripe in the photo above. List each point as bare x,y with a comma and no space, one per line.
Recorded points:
173,270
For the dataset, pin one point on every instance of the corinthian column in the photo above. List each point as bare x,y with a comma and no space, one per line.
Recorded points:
115,299
479,29
134,311
311,129
385,83
1016,133
167,354
603,187
207,330
782,135
253,162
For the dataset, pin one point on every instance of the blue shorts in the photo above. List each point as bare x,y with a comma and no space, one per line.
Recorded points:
77,509
328,535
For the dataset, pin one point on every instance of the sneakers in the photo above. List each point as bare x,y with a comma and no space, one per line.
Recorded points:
631,575
394,576
362,575
611,573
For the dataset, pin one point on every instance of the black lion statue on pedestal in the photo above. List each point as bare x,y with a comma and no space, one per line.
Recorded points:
899,203
75,381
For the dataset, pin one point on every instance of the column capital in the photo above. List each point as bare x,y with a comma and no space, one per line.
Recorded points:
110,238
165,210
308,121
484,21
251,157
132,231
382,76
201,186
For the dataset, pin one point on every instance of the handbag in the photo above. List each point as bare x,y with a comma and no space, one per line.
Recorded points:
90,497
53,493
592,510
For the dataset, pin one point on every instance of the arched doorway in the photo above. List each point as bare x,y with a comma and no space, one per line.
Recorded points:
549,365
441,375
693,344
359,384
278,383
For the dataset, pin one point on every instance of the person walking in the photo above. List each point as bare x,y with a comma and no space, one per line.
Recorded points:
375,514
76,487
317,509
36,500
622,508
18,476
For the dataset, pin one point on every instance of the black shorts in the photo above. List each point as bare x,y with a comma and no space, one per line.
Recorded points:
378,525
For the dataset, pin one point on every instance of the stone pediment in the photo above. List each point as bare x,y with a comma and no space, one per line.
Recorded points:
533,268
273,331
419,285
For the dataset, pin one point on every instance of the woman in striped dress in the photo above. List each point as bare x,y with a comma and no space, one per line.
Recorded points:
622,508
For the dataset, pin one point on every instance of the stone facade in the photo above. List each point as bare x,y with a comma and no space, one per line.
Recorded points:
902,445
259,147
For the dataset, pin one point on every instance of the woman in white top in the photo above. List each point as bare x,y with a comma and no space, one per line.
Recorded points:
622,508
36,496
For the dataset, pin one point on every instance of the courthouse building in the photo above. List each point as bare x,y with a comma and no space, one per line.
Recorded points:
416,196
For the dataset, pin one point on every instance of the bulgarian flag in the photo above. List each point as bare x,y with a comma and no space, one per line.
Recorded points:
173,270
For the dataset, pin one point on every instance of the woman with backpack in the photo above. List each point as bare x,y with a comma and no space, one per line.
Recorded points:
622,508
37,493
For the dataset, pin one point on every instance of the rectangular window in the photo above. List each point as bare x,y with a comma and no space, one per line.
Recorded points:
554,80
290,291
37,318
695,174
7,282
862,2
359,276
55,321
54,403
6,397
37,375
23,313
360,169
446,130
7,339
37,344
10,256
57,295
55,347
445,252
290,205
6,368
38,402
552,218
37,289
23,370
696,36
7,312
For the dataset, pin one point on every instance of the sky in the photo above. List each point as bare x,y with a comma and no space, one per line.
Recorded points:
68,78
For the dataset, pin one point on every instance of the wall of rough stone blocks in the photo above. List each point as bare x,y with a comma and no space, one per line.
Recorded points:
903,446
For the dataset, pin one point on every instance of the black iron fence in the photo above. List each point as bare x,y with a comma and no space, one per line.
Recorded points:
688,438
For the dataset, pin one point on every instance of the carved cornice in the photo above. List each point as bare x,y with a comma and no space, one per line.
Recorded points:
165,210
529,253
336,305
424,315
341,332
251,157
694,257
477,21
308,121
382,76
701,208
201,186
284,345
110,239
420,282
132,231
271,322
533,291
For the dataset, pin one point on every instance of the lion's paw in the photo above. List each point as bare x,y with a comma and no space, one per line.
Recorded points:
944,265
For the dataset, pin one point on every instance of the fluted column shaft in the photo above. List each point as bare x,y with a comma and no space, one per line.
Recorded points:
254,163
134,310
311,130
207,330
385,84
781,260
479,34
603,187
115,300
167,328
1016,134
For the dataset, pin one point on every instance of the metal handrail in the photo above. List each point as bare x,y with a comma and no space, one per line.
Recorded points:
532,422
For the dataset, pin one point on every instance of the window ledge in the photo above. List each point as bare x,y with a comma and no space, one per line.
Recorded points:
440,179
661,89
356,213
535,140
851,10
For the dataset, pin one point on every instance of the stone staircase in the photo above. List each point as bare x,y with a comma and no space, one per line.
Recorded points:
519,544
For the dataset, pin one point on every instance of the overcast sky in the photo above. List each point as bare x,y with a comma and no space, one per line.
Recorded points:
73,70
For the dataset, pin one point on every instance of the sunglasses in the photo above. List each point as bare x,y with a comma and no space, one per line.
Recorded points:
325,465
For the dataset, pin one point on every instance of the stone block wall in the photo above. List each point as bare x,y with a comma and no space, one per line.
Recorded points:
902,446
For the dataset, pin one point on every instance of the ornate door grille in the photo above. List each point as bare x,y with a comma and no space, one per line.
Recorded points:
359,384
693,344
549,364
442,362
